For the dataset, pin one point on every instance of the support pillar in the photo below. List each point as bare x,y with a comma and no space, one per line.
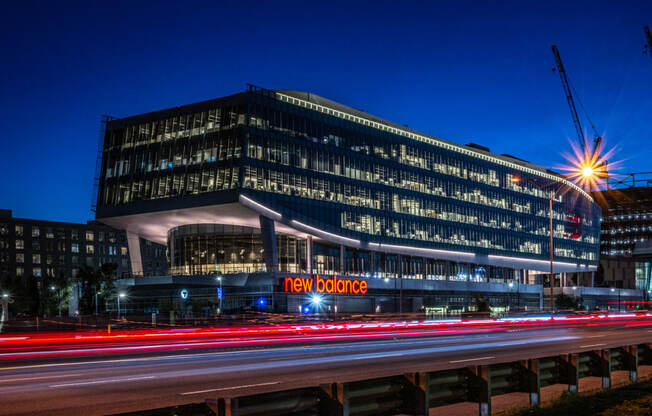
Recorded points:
309,254
424,268
605,367
419,393
481,391
532,381
133,242
570,372
631,362
342,259
268,233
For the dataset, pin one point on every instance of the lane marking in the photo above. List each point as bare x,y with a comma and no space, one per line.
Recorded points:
592,345
39,378
596,336
103,381
272,383
470,359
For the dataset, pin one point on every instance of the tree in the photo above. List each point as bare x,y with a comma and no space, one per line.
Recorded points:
95,281
481,304
566,302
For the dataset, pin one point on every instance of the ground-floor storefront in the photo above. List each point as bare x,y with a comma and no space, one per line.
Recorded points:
321,294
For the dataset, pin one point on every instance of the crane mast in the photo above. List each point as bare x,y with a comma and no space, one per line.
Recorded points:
569,97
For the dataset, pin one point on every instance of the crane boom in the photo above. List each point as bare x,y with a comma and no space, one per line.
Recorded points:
569,97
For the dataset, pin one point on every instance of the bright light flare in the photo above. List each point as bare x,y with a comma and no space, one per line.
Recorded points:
316,299
588,168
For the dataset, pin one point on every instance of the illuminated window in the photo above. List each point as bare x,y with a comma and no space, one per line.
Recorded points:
36,271
20,258
90,236
36,258
20,271
20,244
123,251
74,248
90,249
19,230
36,231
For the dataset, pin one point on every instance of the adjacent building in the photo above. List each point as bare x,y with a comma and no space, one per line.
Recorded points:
269,185
46,250
626,237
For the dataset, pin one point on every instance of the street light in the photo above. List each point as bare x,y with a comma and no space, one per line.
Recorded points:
552,194
53,288
120,295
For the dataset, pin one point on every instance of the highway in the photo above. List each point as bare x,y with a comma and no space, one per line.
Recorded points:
115,374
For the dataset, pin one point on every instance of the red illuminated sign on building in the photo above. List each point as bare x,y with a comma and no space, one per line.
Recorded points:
320,285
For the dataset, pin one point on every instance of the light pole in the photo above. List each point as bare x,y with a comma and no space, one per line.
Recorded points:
587,173
551,196
5,301
121,295
96,305
54,289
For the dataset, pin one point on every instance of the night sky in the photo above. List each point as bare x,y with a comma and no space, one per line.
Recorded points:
463,71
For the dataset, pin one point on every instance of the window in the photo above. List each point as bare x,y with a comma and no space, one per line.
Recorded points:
36,271
36,258
75,260
36,231
113,250
20,258
20,244
90,249
100,236
123,251
20,271
90,236
19,230
89,262
74,234
49,233
36,245
74,248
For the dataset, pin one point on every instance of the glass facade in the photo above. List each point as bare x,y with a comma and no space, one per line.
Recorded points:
350,174
219,248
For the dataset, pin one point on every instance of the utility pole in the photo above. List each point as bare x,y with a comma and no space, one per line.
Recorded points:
552,252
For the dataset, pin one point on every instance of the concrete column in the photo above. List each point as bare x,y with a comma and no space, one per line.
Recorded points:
342,262
448,270
592,279
133,242
309,254
268,234
424,268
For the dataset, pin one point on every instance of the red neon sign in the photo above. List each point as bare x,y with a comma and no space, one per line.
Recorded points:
319,285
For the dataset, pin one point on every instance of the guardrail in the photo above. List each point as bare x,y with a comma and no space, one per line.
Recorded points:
416,393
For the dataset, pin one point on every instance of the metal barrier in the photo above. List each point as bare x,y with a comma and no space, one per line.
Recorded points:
416,393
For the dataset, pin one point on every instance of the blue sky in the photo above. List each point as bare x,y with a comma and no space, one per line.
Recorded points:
462,71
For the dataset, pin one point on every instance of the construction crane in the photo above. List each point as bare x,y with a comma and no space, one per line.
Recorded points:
571,104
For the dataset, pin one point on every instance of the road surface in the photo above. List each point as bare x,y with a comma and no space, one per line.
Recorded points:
52,378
